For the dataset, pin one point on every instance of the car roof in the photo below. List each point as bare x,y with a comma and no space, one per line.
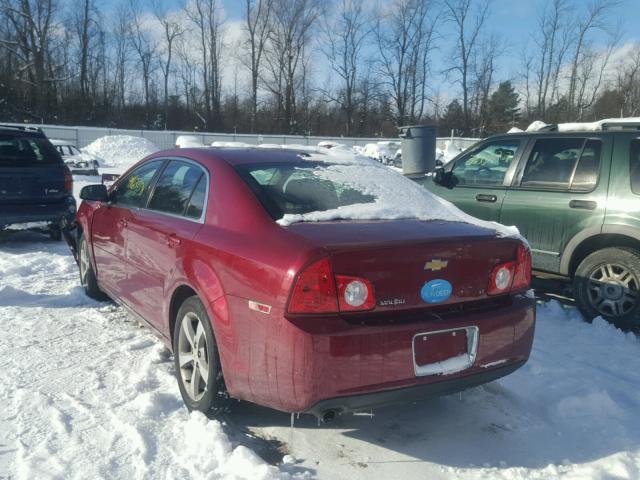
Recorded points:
239,156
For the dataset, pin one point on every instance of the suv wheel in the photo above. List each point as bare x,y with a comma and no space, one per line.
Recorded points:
607,284
196,360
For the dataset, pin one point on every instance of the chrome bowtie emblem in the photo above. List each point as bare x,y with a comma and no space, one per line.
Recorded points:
436,264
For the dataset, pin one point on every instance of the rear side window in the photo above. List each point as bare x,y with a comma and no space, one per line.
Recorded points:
20,151
132,191
563,164
634,166
174,187
196,204
486,166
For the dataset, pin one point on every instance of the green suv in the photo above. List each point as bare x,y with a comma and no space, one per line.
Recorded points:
575,196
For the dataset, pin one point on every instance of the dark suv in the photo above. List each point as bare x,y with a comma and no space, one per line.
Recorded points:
35,184
575,196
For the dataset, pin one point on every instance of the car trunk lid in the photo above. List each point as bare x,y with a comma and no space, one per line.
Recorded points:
411,264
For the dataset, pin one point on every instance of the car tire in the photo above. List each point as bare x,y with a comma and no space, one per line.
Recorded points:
87,274
607,284
55,233
193,332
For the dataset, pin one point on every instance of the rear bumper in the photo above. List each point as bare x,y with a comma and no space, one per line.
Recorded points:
59,213
410,394
327,364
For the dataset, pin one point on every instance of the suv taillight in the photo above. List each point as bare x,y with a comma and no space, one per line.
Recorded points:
511,277
68,180
317,290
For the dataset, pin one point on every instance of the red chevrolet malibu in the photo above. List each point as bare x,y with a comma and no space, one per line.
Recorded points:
306,281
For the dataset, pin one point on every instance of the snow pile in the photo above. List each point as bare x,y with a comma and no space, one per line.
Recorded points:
231,144
395,196
515,130
449,152
121,151
383,151
189,141
86,393
582,126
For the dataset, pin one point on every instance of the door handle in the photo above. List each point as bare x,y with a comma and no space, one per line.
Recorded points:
486,198
123,223
173,241
583,204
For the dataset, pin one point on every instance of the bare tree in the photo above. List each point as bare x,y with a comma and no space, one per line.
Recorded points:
146,49
120,34
258,20
628,84
552,40
346,32
172,28
292,22
32,23
405,35
207,16
468,22
595,19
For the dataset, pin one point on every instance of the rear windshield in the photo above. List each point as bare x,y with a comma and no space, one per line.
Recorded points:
19,151
299,188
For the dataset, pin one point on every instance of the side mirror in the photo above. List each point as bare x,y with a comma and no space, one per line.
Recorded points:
444,179
94,193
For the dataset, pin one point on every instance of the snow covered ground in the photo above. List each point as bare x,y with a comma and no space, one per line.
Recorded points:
86,393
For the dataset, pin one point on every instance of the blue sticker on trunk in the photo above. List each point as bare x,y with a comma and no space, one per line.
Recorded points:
436,291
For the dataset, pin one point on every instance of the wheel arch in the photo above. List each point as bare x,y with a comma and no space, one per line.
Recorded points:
609,237
180,294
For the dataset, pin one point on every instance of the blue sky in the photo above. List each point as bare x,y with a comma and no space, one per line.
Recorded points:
515,22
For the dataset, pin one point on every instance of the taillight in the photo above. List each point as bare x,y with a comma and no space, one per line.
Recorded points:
522,277
68,180
511,276
354,293
317,291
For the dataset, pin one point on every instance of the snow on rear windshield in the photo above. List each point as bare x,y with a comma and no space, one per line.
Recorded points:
335,185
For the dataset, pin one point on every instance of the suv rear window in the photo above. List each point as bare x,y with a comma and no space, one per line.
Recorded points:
299,188
634,166
563,164
20,151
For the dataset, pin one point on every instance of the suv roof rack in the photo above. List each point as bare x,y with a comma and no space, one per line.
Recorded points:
621,126
23,128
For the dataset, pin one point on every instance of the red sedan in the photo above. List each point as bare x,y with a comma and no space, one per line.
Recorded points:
306,282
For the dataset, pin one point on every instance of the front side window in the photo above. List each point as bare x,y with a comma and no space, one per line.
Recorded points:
174,187
486,166
132,191
634,166
563,164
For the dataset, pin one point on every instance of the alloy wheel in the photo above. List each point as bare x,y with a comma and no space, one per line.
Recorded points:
613,290
193,356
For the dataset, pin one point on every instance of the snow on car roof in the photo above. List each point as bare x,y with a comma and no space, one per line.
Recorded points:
582,126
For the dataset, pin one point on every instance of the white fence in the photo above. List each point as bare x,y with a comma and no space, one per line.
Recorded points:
83,136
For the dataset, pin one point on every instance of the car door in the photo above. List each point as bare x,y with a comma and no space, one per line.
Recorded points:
109,227
481,176
159,235
557,192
